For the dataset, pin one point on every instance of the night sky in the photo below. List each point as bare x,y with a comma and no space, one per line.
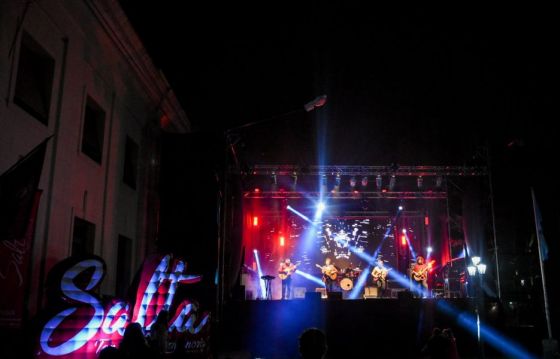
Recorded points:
422,85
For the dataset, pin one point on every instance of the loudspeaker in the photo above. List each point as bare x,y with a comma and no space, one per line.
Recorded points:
371,292
313,296
334,295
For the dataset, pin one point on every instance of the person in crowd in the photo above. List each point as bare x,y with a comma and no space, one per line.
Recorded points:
312,344
109,353
437,345
452,352
133,344
159,332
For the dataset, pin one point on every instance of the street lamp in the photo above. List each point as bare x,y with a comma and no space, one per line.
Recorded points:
478,269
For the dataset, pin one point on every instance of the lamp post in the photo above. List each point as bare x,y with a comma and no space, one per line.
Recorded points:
477,270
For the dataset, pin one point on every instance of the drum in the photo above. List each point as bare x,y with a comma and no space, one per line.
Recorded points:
346,284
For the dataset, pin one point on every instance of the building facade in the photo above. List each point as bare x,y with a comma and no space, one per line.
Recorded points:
77,71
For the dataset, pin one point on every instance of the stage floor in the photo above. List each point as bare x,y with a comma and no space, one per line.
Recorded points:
380,328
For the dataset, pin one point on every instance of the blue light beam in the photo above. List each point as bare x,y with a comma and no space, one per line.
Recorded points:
259,270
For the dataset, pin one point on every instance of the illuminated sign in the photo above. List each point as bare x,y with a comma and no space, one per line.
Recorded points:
81,324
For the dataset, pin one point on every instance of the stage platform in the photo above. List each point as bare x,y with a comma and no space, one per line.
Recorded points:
375,328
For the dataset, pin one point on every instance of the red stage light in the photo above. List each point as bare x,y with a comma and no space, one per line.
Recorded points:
282,240
257,190
427,221
403,240
255,221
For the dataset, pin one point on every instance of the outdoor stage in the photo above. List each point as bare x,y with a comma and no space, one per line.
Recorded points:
377,328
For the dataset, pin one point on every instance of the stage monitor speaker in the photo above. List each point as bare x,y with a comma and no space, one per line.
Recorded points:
299,292
323,292
334,295
371,292
313,296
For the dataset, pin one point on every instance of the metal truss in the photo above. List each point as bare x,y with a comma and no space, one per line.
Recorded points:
396,170
347,195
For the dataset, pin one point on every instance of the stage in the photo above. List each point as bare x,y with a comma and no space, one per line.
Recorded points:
380,328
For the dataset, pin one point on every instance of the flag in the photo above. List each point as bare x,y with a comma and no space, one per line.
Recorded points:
19,202
539,228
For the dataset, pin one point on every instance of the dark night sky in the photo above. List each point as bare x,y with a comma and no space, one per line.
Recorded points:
405,85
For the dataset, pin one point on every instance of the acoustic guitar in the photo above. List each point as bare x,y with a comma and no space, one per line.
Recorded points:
422,275
287,273
331,273
380,274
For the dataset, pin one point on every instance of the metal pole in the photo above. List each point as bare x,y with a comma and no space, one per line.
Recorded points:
539,239
494,233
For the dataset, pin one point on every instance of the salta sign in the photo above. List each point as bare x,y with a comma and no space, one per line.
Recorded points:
79,324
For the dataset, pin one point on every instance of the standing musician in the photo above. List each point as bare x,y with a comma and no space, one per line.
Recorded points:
379,275
287,268
329,274
420,274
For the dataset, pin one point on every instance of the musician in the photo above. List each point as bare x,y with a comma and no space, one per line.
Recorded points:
420,274
379,274
287,268
329,270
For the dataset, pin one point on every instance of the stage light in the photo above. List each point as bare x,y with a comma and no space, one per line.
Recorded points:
259,270
403,240
298,213
282,241
404,230
255,221
429,250
323,188
392,182
401,208
353,182
378,182
439,181
475,260
420,182
310,277
471,270
364,181
321,206
481,268
257,190
294,181
426,220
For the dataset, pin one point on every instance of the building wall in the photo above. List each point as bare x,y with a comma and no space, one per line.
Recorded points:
96,54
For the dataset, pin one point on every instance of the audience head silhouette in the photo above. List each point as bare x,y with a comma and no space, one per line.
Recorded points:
312,344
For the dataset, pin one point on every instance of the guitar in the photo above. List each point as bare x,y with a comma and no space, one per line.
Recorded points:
331,273
287,273
380,274
422,275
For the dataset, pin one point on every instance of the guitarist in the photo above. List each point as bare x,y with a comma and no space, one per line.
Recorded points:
329,274
287,268
420,274
379,275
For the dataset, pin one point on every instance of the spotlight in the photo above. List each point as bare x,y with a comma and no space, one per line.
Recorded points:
392,182
401,208
294,181
404,230
378,182
364,181
321,206
420,182
353,182
472,270
439,181
429,250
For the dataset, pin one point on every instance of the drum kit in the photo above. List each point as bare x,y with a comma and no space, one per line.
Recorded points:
347,278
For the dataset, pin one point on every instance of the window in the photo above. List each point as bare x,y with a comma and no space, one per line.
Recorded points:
94,130
34,79
130,162
123,266
83,238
